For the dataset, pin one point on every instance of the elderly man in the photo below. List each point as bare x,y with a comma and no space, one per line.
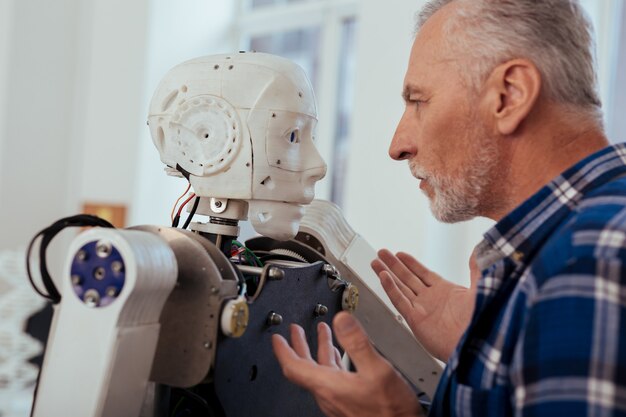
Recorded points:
502,120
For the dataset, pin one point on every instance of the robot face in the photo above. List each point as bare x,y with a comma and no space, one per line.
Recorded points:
242,126
285,179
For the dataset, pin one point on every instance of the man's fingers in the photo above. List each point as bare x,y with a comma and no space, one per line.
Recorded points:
406,307
417,268
355,342
405,291
338,360
401,271
300,371
378,266
325,347
299,342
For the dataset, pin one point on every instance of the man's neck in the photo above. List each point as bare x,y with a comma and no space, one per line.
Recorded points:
540,153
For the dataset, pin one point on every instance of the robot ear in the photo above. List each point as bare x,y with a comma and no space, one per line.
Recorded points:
204,135
274,219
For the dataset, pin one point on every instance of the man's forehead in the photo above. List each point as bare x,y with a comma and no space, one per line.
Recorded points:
430,39
430,50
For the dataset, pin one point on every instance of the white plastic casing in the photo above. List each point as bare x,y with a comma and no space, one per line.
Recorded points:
98,360
242,126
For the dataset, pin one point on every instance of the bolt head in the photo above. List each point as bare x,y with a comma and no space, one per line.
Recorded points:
274,319
92,298
76,279
275,273
99,273
321,310
116,266
103,249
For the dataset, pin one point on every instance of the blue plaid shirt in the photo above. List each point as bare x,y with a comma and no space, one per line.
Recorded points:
548,334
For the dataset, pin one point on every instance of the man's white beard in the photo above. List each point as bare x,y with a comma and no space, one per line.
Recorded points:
458,199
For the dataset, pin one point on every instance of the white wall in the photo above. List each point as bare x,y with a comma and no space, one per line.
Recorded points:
178,31
39,76
6,35
108,117
608,21
383,201
617,129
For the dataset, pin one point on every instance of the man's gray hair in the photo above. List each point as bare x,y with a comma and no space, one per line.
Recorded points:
555,35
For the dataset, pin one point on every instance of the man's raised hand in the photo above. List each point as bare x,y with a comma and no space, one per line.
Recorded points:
436,310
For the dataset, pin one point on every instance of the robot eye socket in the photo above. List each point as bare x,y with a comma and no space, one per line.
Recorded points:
294,136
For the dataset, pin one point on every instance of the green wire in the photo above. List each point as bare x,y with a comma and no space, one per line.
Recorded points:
255,259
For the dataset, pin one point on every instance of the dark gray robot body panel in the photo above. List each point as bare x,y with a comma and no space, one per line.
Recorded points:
248,379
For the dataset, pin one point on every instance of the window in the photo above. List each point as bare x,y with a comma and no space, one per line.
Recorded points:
319,35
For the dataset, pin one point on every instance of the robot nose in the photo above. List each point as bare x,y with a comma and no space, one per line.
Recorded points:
313,175
309,178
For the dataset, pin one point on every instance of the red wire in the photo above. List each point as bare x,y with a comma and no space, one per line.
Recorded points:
180,209
179,198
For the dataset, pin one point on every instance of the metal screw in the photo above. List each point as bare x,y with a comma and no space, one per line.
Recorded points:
92,298
275,273
99,273
320,310
274,319
103,249
116,266
111,291
81,255
215,290
76,279
217,205
330,271
208,345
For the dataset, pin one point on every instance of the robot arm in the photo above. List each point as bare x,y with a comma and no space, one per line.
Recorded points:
325,229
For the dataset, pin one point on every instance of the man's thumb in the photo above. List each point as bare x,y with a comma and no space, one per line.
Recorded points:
354,340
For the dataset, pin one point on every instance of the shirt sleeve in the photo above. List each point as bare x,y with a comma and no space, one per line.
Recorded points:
571,357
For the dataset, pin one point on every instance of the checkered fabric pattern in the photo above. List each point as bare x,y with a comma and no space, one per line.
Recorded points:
548,334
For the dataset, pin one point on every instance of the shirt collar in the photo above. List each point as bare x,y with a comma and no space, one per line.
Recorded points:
523,230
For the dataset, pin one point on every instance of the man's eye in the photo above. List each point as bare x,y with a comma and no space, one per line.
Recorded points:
417,103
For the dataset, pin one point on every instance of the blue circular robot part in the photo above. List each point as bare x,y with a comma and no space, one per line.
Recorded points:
98,273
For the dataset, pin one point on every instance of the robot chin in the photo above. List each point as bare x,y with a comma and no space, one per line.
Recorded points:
275,219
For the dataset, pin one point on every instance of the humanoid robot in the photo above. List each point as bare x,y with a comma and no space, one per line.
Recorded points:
154,321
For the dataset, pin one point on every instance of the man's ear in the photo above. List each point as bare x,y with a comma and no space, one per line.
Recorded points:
511,92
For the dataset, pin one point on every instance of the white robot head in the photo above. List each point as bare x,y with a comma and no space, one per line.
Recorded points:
240,126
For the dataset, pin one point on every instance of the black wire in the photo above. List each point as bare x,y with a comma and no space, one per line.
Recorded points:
192,212
47,234
185,393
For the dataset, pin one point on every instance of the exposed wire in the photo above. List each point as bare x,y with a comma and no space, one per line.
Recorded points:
197,399
255,259
47,234
180,210
180,401
192,212
178,200
259,288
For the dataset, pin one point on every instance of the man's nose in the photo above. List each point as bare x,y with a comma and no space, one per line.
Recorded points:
403,143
